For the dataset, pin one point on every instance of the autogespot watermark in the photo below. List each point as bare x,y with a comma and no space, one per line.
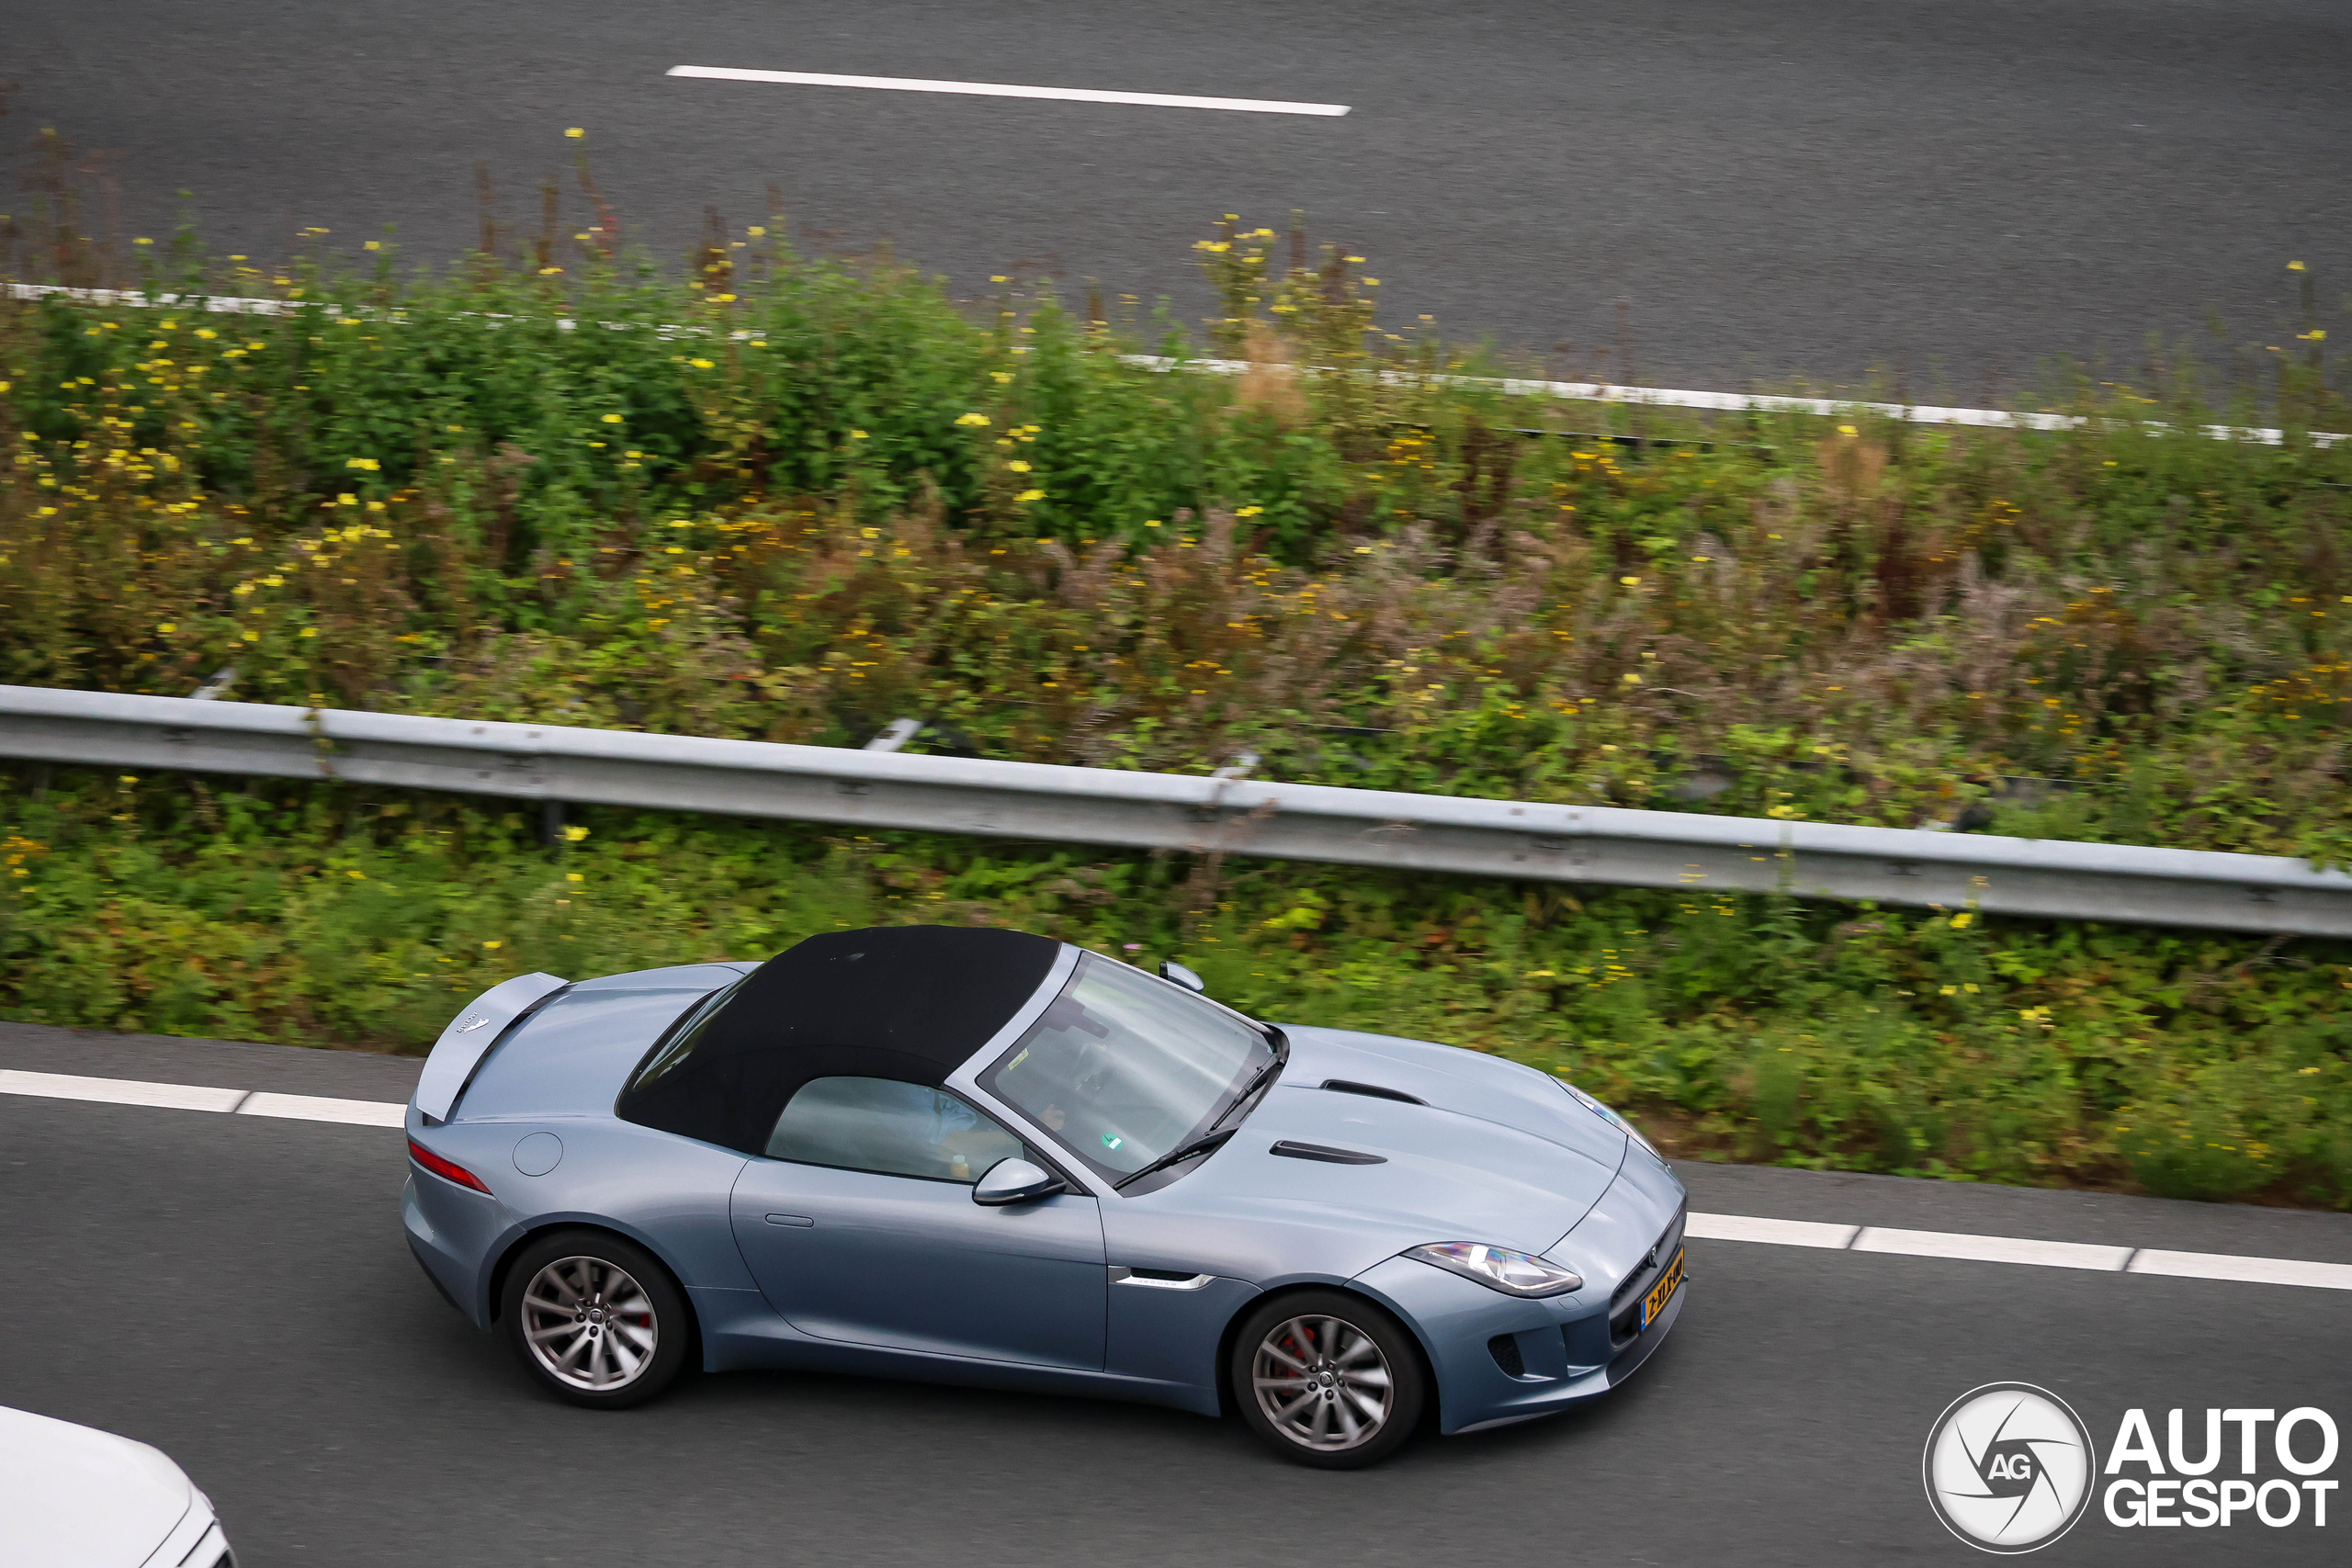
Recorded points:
2010,1468
2172,1488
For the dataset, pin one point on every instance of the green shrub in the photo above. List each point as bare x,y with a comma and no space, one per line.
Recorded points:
793,499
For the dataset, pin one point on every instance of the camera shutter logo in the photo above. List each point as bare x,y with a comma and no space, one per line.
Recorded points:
2009,1467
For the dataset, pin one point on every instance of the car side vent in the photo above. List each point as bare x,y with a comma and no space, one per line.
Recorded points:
1371,1090
1504,1349
1329,1156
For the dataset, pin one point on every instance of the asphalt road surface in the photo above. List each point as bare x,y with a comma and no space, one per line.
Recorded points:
235,1290
1717,193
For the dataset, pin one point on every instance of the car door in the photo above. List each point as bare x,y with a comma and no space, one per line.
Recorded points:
858,1223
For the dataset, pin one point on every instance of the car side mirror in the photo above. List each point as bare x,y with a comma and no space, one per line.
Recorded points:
1171,970
1014,1182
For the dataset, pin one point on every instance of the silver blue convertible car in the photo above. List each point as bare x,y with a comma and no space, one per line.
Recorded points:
985,1156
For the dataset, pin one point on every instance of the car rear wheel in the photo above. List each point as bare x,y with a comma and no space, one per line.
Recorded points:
1327,1380
595,1319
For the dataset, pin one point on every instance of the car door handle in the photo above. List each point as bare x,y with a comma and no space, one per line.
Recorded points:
802,1221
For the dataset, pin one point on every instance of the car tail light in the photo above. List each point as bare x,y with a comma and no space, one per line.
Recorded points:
448,1170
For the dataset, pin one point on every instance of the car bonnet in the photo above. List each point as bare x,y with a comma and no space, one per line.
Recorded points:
75,1495
1467,1082
1397,1173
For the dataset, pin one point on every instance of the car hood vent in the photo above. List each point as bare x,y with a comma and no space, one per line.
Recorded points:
1443,1173
1290,1148
1414,1073
1372,1090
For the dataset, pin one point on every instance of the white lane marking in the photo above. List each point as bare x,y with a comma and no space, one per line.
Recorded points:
1699,1226
1774,1233
1992,1249
120,1092
189,1097
2249,1271
1003,90
1735,402
314,1108
1574,391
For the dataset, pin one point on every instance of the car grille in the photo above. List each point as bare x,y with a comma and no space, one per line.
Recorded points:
1625,1302
1504,1349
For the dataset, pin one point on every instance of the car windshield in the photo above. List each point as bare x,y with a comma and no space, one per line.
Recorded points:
1123,1068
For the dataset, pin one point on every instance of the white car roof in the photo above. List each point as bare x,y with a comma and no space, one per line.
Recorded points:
76,1497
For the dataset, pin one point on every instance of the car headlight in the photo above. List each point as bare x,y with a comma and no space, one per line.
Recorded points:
1500,1268
1612,1117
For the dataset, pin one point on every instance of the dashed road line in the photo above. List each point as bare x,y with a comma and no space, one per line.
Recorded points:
318,1108
1992,1249
191,1096
2249,1271
120,1091
1753,1228
1773,1232
1006,90
2022,1250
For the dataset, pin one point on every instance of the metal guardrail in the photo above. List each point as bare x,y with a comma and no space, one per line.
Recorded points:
1517,840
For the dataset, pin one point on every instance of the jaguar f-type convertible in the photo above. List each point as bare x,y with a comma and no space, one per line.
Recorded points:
984,1157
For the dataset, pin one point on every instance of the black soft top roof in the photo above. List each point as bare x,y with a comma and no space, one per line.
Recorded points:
910,1003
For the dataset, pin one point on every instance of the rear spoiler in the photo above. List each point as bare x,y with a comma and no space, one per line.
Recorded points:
478,1025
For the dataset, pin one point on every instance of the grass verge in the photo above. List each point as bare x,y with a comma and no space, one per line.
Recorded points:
1741,1027
793,499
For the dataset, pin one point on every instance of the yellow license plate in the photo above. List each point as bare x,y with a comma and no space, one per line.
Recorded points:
1663,1292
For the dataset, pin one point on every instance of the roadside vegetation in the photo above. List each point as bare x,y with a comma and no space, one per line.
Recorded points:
794,497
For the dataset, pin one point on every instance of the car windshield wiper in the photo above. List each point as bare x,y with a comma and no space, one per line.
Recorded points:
1264,1073
1279,1043
1177,1157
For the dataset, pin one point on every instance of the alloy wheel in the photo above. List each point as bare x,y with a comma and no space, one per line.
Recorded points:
1323,1383
590,1324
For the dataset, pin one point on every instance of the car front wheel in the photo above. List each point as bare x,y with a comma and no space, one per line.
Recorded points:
595,1319
1327,1380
